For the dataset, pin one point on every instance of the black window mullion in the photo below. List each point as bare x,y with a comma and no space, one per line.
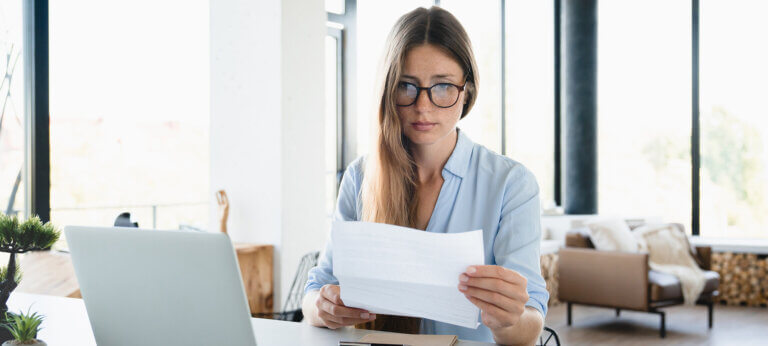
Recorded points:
695,133
558,162
37,142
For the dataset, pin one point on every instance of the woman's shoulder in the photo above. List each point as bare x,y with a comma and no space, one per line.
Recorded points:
356,167
515,182
353,174
496,165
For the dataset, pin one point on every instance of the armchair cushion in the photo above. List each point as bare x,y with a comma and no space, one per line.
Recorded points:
667,287
612,235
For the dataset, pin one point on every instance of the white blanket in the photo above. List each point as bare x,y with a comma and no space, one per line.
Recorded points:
669,252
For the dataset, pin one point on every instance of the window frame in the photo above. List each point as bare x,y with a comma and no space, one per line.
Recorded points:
37,167
36,173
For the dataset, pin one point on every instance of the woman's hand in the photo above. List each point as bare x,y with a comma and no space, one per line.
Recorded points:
500,293
334,314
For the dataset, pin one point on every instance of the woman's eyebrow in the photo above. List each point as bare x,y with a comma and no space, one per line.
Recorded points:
437,76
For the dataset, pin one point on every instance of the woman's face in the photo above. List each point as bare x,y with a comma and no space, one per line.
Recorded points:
423,122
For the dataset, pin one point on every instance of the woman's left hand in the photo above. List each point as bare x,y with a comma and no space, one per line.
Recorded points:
500,293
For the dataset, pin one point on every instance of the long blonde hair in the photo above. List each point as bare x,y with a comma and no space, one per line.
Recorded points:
390,180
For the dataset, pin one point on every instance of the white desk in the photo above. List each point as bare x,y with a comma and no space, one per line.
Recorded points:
66,323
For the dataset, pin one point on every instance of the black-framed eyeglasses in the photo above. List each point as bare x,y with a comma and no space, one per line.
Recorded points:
443,95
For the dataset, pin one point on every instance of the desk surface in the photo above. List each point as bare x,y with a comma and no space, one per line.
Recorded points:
66,323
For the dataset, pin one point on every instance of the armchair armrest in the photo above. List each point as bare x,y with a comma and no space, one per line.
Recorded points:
578,240
604,278
703,257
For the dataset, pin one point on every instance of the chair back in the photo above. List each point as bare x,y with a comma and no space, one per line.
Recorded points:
292,307
124,220
578,238
548,337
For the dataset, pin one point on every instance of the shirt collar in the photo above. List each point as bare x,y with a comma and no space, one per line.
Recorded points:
458,162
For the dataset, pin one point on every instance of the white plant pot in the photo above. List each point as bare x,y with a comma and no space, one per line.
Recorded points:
15,343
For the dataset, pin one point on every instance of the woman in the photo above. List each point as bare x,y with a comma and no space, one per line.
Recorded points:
427,174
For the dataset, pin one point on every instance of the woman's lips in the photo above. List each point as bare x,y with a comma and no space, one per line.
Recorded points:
423,126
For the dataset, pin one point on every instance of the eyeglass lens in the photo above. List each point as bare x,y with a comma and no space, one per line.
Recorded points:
443,95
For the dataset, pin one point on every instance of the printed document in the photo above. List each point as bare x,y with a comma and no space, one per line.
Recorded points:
407,272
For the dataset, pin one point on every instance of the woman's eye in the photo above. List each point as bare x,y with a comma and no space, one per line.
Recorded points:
442,87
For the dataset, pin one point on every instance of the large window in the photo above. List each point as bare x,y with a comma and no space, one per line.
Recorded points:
129,112
12,157
482,20
645,87
530,90
644,109
734,118
332,105
337,48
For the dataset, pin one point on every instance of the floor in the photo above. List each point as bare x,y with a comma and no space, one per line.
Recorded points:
686,325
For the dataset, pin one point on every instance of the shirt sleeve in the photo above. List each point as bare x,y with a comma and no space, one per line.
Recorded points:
347,206
517,243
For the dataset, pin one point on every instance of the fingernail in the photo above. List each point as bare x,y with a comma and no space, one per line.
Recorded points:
364,315
463,277
471,270
462,287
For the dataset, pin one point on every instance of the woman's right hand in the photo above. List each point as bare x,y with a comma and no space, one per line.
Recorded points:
334,314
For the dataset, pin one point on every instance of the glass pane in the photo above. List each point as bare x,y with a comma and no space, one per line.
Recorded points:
129,112
335,6
331,109
734,119
644,109
374,21
12,158
482,20
530,90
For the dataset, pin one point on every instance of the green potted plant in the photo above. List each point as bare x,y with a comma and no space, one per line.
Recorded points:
24,327
16,238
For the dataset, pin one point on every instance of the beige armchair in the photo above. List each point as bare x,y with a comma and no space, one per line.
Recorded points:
624,281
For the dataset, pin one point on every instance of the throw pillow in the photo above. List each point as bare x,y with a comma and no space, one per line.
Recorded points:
612,235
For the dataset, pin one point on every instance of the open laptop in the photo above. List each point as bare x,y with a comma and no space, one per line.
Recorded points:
149,287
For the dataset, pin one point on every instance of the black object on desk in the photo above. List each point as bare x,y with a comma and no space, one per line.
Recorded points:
357,343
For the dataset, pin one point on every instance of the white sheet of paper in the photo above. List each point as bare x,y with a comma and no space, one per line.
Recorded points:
407,272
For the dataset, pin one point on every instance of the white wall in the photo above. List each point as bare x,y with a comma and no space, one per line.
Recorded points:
267,102
303,184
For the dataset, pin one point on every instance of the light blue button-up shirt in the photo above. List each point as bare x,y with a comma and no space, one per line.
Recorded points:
481,190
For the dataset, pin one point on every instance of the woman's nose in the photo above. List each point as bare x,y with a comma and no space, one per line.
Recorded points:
422,101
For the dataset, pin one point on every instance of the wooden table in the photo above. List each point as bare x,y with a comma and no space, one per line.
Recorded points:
257,270
51,273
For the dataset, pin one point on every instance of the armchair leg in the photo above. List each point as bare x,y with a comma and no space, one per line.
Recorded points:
663,331
568,313
710,311
618,311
